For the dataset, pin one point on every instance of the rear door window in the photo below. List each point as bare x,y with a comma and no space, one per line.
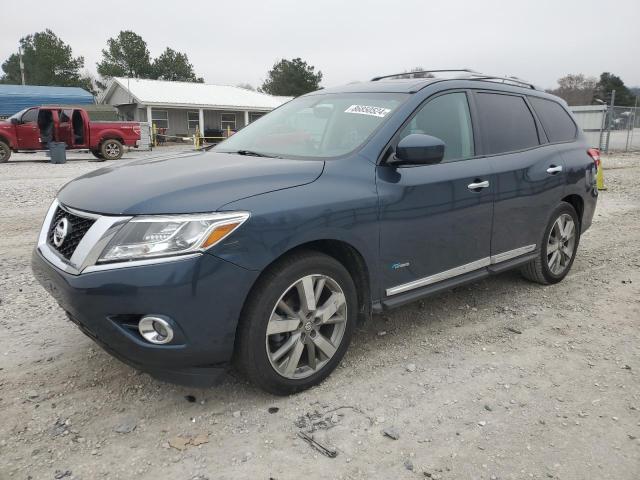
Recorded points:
507,123
447,118
555,120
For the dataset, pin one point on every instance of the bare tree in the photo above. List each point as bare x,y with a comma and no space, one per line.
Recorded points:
576,89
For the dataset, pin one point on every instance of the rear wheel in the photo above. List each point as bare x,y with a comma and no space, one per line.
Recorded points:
111,150
5,152
97,154
297,324
557,249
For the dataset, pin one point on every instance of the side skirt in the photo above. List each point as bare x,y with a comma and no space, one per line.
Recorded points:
420,293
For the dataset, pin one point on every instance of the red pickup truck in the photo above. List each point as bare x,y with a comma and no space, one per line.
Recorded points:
33,129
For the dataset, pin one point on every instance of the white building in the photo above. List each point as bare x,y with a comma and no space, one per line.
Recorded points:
180,107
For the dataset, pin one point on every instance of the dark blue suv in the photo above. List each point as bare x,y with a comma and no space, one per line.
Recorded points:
267,250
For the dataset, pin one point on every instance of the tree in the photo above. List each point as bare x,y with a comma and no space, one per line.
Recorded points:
576,89
291,78
416,72
126,55
607,83
174,66
246,86
47,61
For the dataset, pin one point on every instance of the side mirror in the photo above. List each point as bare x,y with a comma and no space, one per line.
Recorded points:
14,121
418,149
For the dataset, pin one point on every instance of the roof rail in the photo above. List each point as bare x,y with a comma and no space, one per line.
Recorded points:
467,74
512,80
464,70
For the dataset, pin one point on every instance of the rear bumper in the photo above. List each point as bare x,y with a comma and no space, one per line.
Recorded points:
202,297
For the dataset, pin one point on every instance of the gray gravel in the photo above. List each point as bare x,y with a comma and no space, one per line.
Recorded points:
470,398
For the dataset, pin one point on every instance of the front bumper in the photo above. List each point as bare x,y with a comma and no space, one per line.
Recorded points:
202,296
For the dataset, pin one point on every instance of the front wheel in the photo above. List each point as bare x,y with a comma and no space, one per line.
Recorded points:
557,249
297,323
5,152
111,150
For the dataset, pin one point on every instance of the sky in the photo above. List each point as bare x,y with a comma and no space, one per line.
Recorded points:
238,41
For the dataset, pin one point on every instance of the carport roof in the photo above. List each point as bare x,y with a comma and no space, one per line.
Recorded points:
14,98
189,94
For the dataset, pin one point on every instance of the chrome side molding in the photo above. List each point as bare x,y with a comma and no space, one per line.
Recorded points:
462,269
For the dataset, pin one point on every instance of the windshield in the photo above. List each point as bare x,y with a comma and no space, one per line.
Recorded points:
316,126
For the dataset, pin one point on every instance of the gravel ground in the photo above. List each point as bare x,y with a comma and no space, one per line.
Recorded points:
502,379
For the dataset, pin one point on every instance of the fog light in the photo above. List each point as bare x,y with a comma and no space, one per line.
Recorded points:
155,330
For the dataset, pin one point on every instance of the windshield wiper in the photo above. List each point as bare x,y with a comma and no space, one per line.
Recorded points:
254,154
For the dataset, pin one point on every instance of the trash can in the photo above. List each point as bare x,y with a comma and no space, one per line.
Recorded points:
58,152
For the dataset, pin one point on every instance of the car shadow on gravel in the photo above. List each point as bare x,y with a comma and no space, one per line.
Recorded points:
492,302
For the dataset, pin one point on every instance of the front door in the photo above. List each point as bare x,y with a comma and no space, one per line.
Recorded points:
27,131
436,219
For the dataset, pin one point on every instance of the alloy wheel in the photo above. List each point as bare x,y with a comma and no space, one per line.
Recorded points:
306,326
112,150
561,244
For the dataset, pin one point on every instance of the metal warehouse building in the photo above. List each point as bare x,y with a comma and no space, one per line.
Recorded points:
180,107
14,98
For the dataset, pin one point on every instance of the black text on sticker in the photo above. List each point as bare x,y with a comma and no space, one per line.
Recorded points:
368,110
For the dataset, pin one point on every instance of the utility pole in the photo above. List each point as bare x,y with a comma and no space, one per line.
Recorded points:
21,64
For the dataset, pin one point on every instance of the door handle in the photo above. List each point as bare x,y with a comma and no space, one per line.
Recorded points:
478,185
554,169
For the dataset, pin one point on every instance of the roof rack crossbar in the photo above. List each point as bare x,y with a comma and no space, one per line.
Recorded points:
468,74
465,70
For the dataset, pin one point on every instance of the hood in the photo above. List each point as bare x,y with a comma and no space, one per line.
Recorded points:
191,183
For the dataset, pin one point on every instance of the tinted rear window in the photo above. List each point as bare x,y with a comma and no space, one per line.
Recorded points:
555,120
507,122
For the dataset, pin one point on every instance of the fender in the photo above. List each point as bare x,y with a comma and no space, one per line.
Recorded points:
285,219
110,134
9,138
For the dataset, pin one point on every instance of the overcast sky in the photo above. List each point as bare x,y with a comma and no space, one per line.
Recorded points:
238,41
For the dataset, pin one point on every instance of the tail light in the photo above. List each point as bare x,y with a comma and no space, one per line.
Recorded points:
594,153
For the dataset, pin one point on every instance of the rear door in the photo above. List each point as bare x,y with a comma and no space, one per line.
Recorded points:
435,220
529,179
27,131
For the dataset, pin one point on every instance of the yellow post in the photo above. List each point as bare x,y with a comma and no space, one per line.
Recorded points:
228,131
196,138
154,133
600,177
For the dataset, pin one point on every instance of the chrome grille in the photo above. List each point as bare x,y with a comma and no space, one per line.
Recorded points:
78,227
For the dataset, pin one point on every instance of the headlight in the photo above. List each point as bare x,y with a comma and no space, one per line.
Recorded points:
157,236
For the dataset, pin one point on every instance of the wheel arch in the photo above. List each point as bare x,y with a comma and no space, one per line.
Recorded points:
577,203
7,140
110,136
345,253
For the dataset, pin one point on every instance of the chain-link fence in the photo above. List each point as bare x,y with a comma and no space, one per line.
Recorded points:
611,129
621,132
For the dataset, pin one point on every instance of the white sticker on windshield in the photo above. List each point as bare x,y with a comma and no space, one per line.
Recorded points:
367,110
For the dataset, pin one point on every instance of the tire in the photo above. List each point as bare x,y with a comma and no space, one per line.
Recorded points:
98,155
557,248
111,149
5,152
259,356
